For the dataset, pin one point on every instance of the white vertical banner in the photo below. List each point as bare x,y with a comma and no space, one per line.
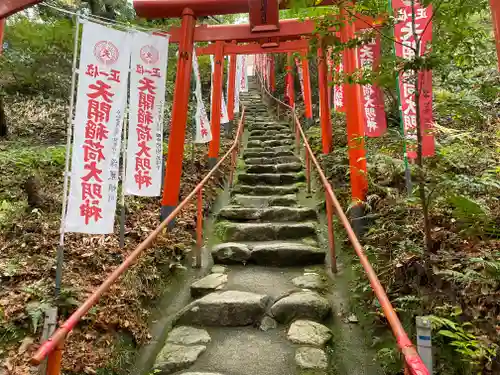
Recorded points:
243,77
100,105
203,134
147,99
224,117
237,85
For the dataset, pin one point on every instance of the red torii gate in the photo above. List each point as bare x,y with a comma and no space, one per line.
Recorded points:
187,34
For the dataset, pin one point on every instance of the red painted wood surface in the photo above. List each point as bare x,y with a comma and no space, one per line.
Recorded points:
173,171
255,48
213,148
495,15
9,7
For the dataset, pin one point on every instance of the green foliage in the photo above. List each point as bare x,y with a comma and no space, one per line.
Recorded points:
38,58
474,352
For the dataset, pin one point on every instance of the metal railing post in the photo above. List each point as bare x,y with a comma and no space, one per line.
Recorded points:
331,236
308,171
54,360
199,229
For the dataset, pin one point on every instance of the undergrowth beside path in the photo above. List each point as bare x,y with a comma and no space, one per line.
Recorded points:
30,209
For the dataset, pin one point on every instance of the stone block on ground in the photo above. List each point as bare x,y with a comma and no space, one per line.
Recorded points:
229,308
311,359
175,357
267,231
309,281
208,284
301,305
185,335
286,254
231,252
307,332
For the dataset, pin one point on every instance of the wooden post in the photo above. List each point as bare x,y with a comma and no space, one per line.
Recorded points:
495,15
326,125
355,127
307,87
213,148
173,169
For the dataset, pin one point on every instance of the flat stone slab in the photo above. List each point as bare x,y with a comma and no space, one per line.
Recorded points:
265,189
265,200
219,269
231,252
209,284
175,357
266,231
273,160
307,332
286,254
273,213
229,308
309,281
258,153
311,359
274,168
259,135
301,305
185,335
270,143
270,178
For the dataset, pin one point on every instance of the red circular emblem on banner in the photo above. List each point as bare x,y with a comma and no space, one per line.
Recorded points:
106,52
149,55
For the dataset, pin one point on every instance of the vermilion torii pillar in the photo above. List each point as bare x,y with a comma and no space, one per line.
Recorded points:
355,127
289,79
173,172
2,31
231,86
272,74
306,76
495,15
213,148
326,125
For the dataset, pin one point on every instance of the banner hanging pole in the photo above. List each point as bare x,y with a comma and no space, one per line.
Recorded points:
60,249
124,167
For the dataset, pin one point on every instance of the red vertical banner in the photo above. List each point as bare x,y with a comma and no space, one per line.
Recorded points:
406,46
372,99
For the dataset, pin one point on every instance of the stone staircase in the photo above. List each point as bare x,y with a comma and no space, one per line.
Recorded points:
264,308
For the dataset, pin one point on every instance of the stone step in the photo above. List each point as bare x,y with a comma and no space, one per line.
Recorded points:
273,213
270,253
227,308
269,133
264,190
274,168
270,143
272,160
275,149
301,305
267,137
259,153
208,284
267,126
264,201
270,178
234,232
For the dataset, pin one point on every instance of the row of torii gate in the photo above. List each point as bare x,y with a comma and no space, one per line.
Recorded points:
265,34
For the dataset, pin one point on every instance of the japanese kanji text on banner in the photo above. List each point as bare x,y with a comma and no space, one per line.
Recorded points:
147,98
406,46
372,99
100,104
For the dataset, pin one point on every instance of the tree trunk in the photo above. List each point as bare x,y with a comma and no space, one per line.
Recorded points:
3,120
32,188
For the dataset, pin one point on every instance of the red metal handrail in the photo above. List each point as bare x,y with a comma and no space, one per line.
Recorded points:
413,363
52,347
